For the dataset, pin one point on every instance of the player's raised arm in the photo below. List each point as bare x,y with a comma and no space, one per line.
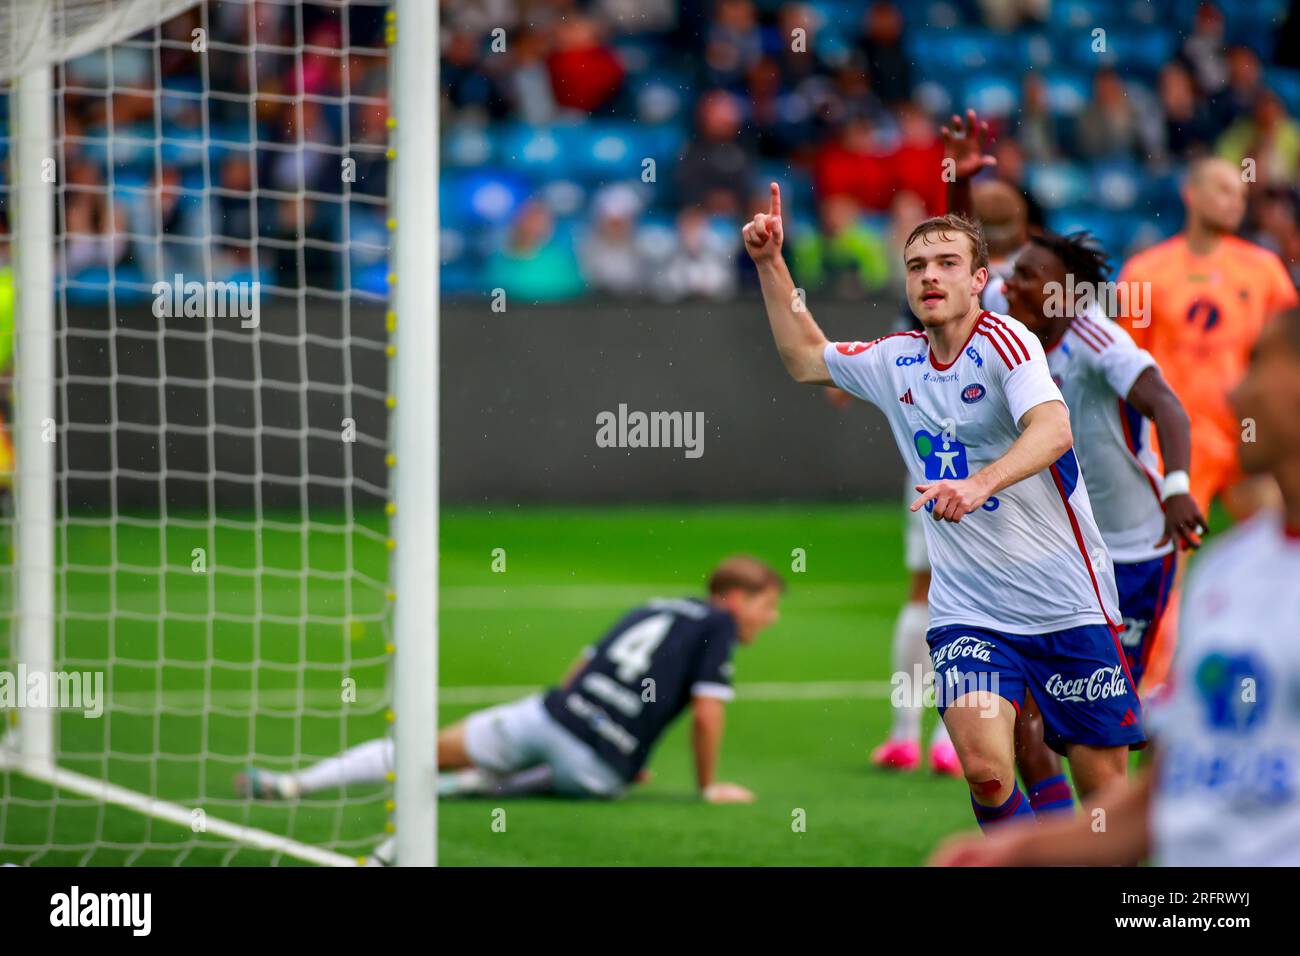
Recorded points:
1153,398
798,338
1045,438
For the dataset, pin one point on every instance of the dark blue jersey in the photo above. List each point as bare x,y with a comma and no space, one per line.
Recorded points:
640,676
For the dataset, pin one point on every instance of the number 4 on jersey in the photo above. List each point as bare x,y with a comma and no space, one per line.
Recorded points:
635,646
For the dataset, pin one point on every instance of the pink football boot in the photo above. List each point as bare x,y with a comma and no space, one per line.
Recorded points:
943,759
897,755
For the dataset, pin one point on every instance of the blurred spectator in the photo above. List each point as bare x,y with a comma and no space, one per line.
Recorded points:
881,42
167,229
1006,15
534,264
612,259
716,172
799,61
856,165
1277,226
700,265
844,256
1035,126
468,86
1203,49
95,227
232,211
529,82
1187,125
585,74
918,161
1269,137
851,96
781,119
298,242
733,43
1111,127
1237,98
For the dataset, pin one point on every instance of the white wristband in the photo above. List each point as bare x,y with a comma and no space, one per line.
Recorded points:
1175,483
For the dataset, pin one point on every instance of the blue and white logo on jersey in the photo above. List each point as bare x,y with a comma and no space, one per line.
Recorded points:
974,356
1233,691
973,393
904,360
944,457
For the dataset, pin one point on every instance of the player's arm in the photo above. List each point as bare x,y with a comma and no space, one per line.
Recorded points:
1153,398
963,158
707,725
1066,839
799,340
1045,437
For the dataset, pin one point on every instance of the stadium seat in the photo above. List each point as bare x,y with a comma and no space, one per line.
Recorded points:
1057,185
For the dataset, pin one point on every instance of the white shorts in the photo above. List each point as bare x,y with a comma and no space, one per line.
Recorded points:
916,556
521,734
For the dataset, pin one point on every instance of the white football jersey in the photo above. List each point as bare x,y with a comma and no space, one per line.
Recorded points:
1031,560
1095,364
1228,726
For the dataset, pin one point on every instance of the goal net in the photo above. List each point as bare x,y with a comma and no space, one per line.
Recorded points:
217,430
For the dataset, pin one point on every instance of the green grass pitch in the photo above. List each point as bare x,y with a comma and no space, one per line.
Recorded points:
809,709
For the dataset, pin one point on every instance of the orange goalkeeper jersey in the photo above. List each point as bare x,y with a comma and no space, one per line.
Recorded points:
1205,313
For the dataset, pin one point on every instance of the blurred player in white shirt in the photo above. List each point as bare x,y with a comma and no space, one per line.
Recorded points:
1224,788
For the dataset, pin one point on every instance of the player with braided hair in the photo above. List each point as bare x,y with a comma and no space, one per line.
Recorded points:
1114,391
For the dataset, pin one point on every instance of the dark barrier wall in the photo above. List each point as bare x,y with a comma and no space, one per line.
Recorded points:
524,395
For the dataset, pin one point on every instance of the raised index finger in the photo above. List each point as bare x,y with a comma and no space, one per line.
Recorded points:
774,207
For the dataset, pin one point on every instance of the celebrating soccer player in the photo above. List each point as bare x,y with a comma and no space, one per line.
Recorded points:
1224,788
1023,591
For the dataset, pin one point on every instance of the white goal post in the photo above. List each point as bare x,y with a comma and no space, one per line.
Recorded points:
234,524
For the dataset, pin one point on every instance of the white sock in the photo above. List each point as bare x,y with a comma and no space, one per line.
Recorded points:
911,657
365,763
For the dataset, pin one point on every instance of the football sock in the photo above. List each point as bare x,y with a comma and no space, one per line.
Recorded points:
365,763
1016,806
1052,795
911,657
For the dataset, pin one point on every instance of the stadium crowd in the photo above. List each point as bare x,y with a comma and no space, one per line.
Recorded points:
614,147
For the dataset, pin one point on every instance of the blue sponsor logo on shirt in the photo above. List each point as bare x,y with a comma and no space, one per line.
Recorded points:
1234,691
972,393
943,457
904,360
974,356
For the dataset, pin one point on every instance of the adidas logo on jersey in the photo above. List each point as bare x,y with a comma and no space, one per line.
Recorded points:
906,398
